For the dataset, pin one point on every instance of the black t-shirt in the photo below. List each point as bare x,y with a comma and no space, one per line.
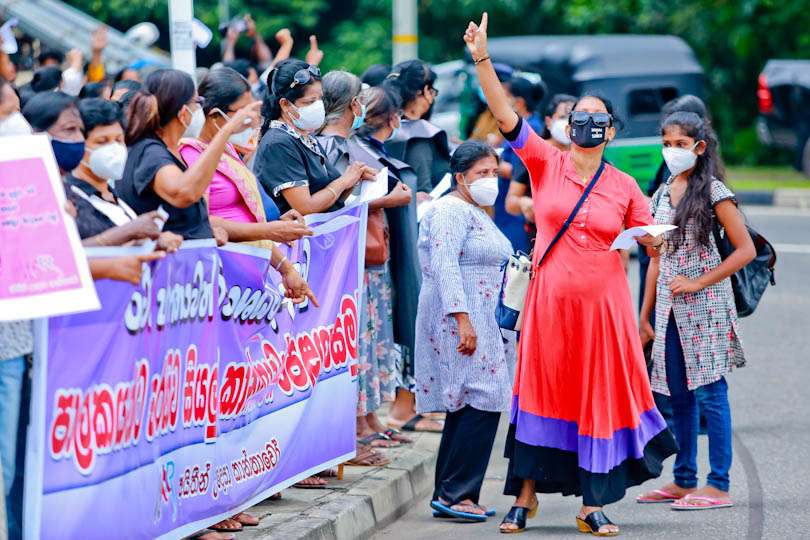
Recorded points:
285,160
146,157
92,210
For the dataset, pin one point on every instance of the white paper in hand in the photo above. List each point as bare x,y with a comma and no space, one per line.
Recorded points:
371,189
627,239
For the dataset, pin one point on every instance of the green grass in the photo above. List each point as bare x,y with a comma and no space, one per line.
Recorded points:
766,178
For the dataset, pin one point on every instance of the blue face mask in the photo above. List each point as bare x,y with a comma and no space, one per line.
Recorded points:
359,120
68,154
393,133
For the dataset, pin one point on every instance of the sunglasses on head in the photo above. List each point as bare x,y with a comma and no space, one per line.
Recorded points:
304,76
600,119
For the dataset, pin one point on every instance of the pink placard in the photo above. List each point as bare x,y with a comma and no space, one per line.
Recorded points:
35,254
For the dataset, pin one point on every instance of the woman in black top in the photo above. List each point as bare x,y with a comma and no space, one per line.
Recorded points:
418,142
290,163
164,110
101,215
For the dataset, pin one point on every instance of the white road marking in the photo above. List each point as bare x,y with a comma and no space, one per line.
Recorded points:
780,211
792,248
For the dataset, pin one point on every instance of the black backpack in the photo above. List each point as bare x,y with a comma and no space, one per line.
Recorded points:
750,281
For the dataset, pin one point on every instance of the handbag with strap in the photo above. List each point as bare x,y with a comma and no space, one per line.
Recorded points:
750,281
518,271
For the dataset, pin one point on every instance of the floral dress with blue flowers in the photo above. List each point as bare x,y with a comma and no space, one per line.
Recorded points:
461,254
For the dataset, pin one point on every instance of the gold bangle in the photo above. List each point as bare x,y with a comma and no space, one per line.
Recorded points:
100,239
332,191
484,59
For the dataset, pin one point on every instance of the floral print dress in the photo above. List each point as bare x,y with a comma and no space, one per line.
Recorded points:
378,377
461,254
707,320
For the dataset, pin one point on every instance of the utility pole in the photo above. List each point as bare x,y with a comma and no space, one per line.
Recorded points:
405,39
181,12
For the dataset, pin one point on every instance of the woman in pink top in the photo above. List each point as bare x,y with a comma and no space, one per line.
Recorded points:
234,196
235,202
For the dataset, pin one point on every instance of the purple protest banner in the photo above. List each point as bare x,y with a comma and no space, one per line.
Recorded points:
197,394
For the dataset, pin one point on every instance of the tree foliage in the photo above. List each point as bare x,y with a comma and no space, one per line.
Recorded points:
732,38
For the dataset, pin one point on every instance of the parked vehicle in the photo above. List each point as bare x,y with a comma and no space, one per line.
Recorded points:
638,73
783,96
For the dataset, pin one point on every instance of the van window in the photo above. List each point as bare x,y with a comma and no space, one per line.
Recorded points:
644,101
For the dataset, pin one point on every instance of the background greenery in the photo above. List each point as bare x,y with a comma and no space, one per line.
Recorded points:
732,38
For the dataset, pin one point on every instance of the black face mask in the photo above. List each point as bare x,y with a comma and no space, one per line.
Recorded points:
588,135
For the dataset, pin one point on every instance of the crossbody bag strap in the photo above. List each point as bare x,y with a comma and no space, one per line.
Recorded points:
574,212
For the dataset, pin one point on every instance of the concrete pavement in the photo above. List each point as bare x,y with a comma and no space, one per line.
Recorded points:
769,397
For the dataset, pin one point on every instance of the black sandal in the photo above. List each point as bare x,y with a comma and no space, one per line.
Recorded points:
517,515
593,522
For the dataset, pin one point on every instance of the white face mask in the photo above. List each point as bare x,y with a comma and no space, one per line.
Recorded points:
194,127
484,191
558,133
241,139
108,161
679,159
14,124
310,117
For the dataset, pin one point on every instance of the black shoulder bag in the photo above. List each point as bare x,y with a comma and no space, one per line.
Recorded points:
750,281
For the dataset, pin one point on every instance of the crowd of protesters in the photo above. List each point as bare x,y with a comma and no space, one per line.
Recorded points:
259,143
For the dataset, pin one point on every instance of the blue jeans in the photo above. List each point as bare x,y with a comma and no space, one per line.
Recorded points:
713,401
11,380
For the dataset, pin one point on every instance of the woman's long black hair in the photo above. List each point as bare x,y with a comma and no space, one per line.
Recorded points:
695,206
278,86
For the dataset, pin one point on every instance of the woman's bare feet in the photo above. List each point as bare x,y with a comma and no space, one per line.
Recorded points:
467,506
668,493
585,511
526,499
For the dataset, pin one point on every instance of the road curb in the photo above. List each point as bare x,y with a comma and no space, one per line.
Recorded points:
366,500
785,198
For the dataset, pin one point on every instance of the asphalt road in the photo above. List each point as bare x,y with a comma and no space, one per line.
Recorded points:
771,416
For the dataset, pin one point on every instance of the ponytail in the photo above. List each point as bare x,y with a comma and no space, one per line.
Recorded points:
143,119
164,93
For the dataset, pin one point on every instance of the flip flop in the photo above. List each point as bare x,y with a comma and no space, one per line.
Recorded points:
368,440
319,485
220,528
705,503
441,507
441,515
396,435
246,520
410,425
664,496
368,457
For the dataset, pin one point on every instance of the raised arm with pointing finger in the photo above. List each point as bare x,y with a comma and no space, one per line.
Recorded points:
476,39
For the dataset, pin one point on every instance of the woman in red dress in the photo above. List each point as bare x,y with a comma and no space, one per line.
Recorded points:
583,418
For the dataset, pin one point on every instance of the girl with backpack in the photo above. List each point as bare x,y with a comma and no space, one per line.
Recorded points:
696,335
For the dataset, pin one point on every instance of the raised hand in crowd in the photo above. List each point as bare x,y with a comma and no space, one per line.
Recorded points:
98,42
314,54
285,42
229,49
476,39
